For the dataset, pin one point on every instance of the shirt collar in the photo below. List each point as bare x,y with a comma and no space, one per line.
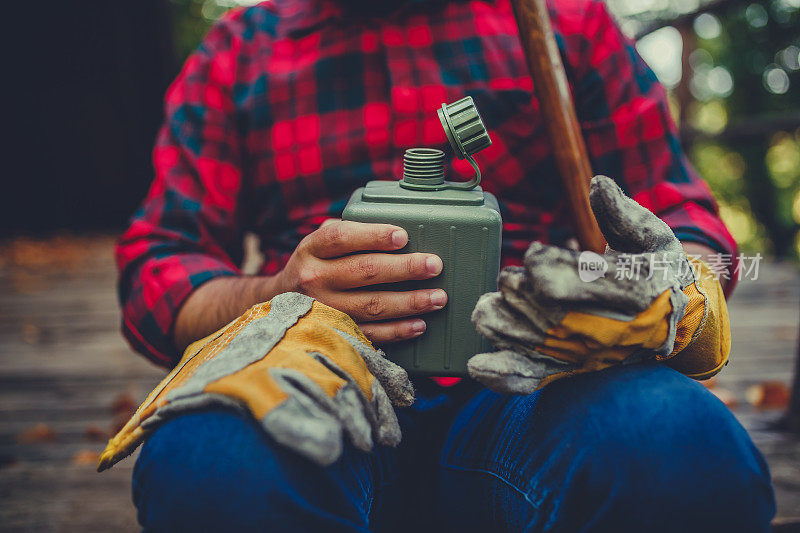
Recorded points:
301,16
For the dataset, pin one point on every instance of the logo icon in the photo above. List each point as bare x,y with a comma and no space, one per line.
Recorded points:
591,266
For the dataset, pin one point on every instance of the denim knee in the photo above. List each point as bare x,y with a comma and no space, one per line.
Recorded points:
633,448
217,471
658,451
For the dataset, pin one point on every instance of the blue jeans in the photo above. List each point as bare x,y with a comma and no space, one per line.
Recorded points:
634,448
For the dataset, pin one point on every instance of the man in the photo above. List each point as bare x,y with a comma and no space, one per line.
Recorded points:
283,111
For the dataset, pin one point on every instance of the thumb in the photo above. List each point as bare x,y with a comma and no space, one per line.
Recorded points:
627,226
329,221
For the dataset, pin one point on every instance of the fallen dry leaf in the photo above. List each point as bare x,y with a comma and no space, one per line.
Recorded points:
30,333
784,333
769,395
57,252
725,396
31,262
118,423
86,457
124,405
94,433
37,433
8,461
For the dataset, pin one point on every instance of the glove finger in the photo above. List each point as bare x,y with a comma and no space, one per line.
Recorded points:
509,372
554,279
394,379
513,284
507,329
626,225
349,405
364,420
387,427
352,410
304,422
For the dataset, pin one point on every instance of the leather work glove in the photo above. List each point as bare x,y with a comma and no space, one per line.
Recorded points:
550,319
302,370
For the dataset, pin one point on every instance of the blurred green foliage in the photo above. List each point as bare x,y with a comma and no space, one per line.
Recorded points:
744,89
189,25
756,177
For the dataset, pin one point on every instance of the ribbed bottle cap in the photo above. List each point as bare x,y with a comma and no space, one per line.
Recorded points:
464,127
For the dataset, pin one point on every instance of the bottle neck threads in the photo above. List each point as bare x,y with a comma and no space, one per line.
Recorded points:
423,168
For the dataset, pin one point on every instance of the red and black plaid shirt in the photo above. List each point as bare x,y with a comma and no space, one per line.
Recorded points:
289,106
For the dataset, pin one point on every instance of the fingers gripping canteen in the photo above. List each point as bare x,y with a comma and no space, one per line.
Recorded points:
458,222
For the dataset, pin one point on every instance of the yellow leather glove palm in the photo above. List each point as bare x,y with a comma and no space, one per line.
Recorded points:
301,369
642,299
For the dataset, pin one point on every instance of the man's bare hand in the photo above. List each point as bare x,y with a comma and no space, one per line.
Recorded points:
322,267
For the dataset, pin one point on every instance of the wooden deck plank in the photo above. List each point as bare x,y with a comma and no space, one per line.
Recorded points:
63,363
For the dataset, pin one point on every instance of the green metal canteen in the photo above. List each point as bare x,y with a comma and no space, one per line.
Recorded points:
457,221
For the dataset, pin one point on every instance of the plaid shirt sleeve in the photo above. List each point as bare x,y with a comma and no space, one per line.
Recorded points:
631,136
189,228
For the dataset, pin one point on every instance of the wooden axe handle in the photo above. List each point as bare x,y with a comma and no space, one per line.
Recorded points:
558,110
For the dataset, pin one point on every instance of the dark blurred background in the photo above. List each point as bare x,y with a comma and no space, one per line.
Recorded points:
87,85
